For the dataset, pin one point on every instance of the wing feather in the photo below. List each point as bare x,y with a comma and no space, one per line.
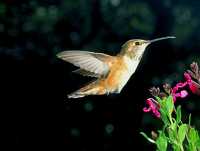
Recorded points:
86,73
90,61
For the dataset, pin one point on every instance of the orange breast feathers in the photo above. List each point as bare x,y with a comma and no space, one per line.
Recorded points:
117,69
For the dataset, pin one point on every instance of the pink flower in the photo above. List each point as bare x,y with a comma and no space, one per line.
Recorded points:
194,87
178,91
183,93
153,106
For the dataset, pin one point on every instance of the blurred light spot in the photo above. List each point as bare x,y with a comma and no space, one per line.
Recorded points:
74,36
88,106
182,14
167,3
104,3
53,11
41,12
109,128
115,2
143,19
75,132
185,21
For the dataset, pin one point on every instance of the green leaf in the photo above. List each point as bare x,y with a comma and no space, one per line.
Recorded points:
198,144
149,139
191,147
159,99
161,142
193,139
182,132
193,136
169,105
164,117
174,126
176,147
172,135
178,114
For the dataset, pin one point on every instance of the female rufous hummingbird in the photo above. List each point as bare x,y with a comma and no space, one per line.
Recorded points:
112,72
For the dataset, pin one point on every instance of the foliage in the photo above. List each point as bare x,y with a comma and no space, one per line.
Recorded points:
174,134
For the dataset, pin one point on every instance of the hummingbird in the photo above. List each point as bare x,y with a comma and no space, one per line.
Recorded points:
111,73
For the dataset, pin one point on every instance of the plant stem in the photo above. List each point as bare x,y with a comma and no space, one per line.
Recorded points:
181,146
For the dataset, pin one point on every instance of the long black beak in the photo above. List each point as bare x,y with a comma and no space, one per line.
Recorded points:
162,38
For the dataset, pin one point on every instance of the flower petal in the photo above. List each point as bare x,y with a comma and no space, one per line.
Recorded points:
145,109
152,106
183,94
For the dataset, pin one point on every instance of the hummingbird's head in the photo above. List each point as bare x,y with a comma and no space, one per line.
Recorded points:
135,44
136,47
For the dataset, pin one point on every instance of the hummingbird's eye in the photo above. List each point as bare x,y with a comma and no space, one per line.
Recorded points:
137,43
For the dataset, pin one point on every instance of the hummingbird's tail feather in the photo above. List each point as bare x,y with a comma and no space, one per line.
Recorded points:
90,89
75,95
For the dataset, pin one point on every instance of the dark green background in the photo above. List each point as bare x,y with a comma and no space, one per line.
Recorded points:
36,83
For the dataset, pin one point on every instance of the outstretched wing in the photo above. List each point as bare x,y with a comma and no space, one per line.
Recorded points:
86,73
96,63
